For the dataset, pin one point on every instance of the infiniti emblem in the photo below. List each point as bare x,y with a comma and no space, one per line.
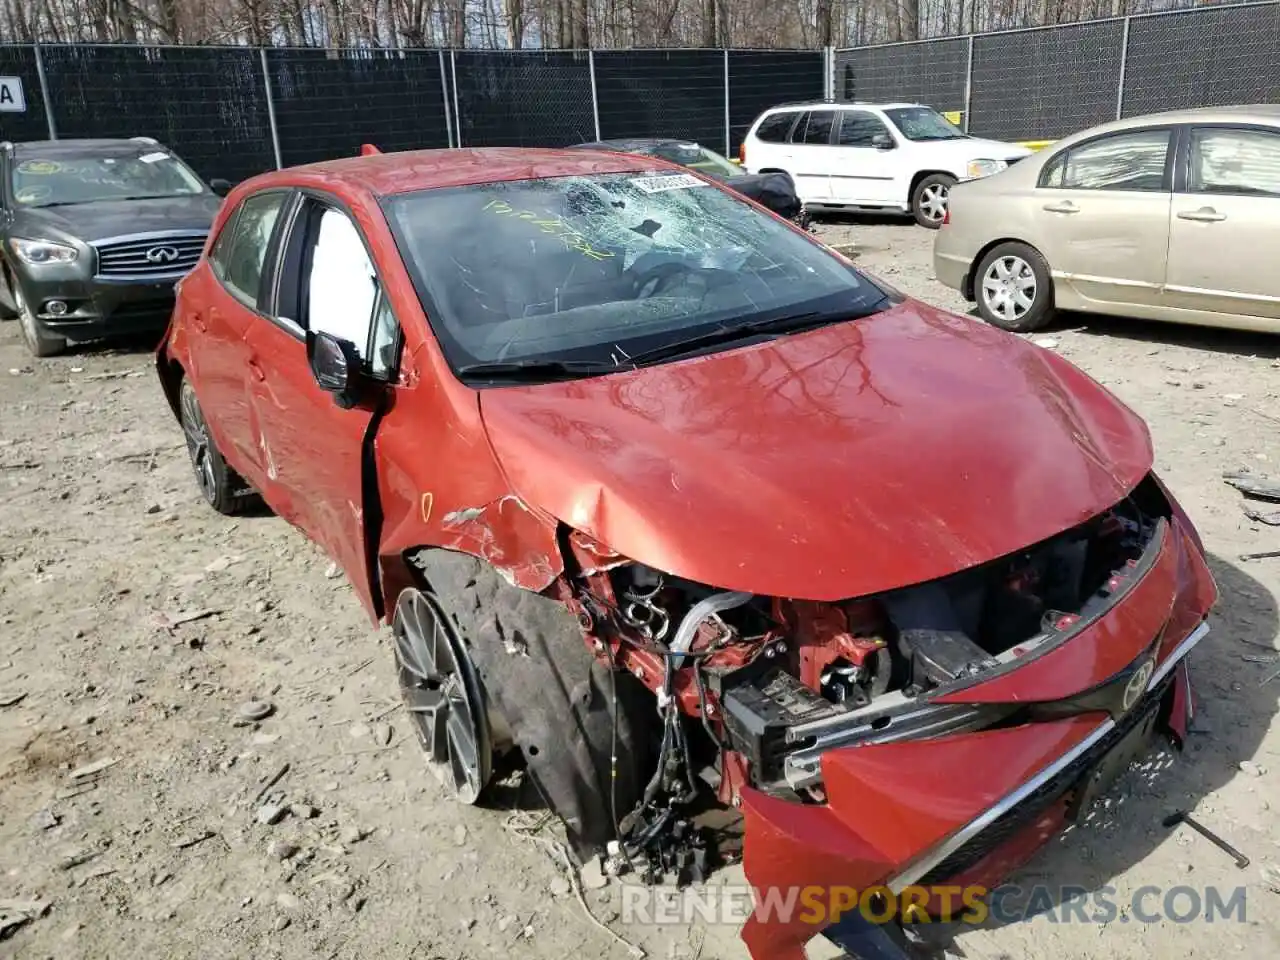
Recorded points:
162,255
1137,685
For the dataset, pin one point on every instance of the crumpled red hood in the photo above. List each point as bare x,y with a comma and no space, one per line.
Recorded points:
836,463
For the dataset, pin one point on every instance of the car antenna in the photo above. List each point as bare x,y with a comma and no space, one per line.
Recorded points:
369,150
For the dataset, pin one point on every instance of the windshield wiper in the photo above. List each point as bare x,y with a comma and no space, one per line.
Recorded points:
532,371
77,203
727,333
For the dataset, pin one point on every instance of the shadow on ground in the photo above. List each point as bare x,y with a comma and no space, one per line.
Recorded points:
1239,342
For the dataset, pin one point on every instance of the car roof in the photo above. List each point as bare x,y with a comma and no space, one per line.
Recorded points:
635,143
386,174
79,148
836,104
1265,113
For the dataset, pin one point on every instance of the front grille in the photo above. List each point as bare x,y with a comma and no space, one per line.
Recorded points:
1006,827
161,255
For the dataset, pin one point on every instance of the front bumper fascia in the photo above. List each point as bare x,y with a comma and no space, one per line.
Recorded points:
99,307
897,814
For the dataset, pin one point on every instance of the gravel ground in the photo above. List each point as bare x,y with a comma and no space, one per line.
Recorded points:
134,623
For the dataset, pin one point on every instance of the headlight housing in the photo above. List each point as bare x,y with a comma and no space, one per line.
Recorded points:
36,252
984,168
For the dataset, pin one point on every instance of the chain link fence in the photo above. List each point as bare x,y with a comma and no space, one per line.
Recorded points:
236,111
1047,82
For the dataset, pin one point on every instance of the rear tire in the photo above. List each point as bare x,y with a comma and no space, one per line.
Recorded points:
929,199
39,341
1013,288
222,488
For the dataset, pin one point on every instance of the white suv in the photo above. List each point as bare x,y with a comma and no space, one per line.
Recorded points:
887,156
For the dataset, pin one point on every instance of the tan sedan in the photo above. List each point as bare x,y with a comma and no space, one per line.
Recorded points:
1172,216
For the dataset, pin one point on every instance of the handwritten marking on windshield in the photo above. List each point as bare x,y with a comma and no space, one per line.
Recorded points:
553,226
40,168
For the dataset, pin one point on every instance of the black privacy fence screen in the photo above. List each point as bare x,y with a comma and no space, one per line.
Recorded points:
232,112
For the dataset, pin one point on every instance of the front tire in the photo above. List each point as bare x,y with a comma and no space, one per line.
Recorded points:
1014,289
221,487
929,199
40,343
443,695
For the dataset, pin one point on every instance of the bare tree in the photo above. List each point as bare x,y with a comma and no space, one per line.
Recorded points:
518,24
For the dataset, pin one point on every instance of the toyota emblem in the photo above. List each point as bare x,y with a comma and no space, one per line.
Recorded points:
1137,685
162,255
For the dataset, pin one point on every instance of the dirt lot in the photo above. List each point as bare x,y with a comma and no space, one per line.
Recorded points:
134,622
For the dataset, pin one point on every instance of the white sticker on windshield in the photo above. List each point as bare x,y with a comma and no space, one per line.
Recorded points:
678,181
153,157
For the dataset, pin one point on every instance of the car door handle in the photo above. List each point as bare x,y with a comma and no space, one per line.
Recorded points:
1066,206
197,321
257,371
1203,215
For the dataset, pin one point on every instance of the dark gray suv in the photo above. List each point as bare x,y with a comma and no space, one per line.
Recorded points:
94,234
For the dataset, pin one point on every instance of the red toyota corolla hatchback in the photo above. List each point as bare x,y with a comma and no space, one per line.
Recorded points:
669,497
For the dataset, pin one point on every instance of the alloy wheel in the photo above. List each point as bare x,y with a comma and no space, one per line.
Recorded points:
1009,288
442,694
196,432
933,201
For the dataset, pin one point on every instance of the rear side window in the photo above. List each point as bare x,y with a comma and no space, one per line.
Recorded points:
775,127
815,128
241,249
1135,160
1235,161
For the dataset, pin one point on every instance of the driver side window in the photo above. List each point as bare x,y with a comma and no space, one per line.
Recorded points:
341,295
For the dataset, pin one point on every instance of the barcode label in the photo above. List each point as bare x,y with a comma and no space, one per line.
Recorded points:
677,181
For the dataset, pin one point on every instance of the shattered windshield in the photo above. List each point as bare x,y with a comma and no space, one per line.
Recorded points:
924,123
604,267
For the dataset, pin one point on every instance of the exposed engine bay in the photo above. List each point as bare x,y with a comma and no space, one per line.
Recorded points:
754,689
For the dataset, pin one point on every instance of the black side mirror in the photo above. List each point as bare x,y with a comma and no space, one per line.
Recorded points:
220,187
882,141
336,367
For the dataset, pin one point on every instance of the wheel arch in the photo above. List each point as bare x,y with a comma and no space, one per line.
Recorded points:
171,373
563,708
920,175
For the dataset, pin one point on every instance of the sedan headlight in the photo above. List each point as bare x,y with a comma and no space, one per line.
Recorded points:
43,251
984,168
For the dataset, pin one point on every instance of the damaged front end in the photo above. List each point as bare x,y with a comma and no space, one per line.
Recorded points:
932,734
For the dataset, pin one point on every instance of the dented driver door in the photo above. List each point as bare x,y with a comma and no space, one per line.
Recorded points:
312,448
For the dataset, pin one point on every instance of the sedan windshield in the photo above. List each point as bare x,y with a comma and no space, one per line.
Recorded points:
698,157
595,270
62,180
924,123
